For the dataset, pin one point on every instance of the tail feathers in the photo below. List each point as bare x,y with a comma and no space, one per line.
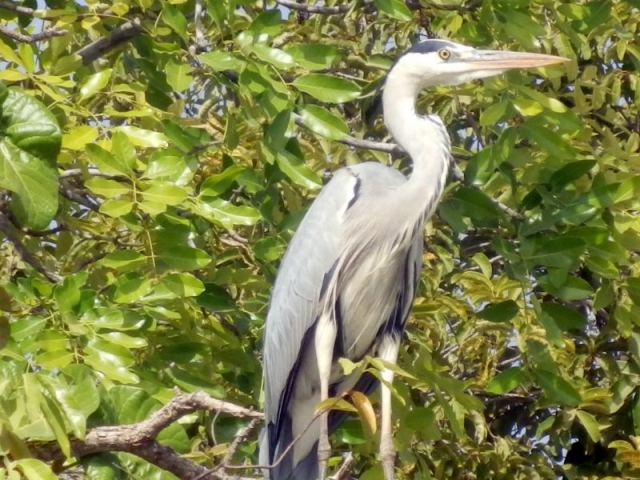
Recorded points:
307,469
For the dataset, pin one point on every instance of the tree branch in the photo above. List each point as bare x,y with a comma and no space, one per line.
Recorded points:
34,37
7,228
325,10
139,438
16,8
117,36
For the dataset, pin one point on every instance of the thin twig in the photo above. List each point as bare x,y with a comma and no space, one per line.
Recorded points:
7,228
345,469
325,10
293,442
94,172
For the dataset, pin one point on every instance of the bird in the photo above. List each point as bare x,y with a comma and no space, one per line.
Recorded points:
347,281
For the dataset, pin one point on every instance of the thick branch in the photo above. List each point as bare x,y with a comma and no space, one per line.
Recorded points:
16,8
120,35
138,438
34,37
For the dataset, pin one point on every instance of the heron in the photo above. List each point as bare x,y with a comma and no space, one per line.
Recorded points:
349,276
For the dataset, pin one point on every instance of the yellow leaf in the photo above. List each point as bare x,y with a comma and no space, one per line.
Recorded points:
629,456
12,75
365,411
335,404
77,138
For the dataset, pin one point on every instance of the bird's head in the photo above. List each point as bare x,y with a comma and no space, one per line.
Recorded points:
440,62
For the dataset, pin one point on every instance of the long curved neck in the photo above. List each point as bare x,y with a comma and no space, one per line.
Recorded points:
424,138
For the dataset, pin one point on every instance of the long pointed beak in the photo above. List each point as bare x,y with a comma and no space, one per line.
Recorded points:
504,60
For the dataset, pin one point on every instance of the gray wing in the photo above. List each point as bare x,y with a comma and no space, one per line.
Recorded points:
313,251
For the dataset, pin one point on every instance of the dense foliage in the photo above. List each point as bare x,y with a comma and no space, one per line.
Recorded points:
157,155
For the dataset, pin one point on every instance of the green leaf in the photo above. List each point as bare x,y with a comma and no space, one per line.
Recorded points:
572,289
571,172
629,189
171,165
34,183
268,22
183,285
174,18
178,75
165,194
215,185
123,151
559,252
124,260
116,208
549,140
475,204
494,113
34,469
314,56
550,103
131,289
564,317
226,214
106,187
143,138
557,388
294,168
276,57
106,161
30,140
185,258
499,312
94,83
327,88
590,424
527,108
395,9
507,380
321,121
78,137
221,61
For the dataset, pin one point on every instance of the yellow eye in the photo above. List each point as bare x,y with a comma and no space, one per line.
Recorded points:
444,54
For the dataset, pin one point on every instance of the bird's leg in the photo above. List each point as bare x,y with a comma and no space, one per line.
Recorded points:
388,352
325,340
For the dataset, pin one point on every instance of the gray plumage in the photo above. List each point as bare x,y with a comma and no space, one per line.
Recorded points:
350,274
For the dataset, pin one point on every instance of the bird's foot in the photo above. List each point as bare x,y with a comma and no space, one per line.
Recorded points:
324,450
388,458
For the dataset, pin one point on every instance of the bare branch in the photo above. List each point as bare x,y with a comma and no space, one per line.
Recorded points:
138,438
7,228
117,36
34,37
94,172
240,437
345,469
16,8
325,10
